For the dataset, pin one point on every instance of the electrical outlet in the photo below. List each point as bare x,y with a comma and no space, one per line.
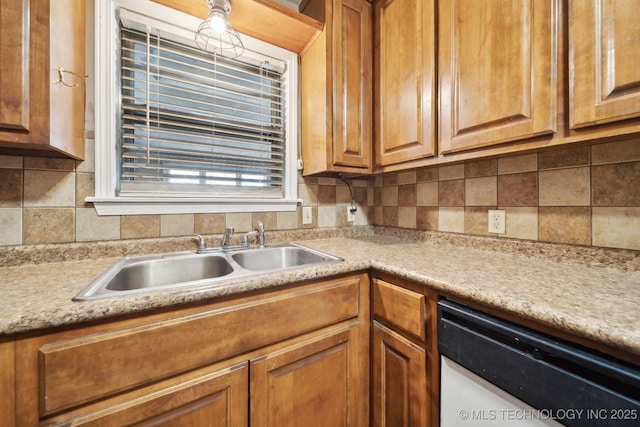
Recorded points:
307,214
497,221
351,214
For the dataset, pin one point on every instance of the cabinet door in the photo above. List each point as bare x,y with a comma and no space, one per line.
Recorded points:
7,382
604,40
498,68
313,383
405,80
38,114
207,397
14,74
352,83
66,50
400,395
24,102
336,84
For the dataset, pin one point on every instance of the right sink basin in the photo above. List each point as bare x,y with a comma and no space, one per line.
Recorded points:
275,258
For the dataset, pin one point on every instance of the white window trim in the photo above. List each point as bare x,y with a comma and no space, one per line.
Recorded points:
107,108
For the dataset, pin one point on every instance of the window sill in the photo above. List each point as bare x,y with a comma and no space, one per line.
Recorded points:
106,206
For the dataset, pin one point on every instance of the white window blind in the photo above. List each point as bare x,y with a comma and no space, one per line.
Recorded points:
196,123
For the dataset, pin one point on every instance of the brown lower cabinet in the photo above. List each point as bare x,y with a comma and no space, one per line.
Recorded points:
280,358
216,396
399,380
292,356
404,354
308,383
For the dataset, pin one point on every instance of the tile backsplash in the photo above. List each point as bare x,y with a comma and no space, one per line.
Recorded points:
585,195
42,200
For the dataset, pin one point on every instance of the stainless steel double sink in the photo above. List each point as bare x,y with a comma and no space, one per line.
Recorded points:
178,269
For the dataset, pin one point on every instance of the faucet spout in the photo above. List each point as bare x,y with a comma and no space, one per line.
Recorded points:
228,232
260,234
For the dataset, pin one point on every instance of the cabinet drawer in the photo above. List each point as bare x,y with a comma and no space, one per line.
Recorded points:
401,307
88,367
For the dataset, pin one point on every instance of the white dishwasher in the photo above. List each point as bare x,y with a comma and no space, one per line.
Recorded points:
495,373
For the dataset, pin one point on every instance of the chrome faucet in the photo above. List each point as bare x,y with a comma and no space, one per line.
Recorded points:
259,232
224,240
225,237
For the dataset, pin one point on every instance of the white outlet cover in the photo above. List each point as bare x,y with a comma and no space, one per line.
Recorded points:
497,221
307,215
351,216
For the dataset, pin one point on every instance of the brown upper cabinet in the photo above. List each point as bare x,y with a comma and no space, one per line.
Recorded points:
336,108
604,38
497,71
512,76
43,93
405,80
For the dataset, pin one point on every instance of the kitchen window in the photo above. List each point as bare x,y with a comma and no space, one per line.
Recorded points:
180,130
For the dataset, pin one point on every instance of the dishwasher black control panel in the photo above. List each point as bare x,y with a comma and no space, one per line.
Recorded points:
543,371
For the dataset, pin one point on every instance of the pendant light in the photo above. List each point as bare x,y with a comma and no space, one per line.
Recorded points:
216,34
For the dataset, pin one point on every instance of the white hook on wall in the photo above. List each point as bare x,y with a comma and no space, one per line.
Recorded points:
61,71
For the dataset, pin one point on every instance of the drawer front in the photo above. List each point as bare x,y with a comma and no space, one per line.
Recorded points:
399,306
83,369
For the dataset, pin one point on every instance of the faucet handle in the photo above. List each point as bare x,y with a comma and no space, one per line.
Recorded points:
245,238
202,244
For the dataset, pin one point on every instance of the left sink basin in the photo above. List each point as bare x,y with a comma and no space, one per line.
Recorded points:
167,271
140,273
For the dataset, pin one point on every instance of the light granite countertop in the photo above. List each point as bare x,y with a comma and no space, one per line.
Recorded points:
552,285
